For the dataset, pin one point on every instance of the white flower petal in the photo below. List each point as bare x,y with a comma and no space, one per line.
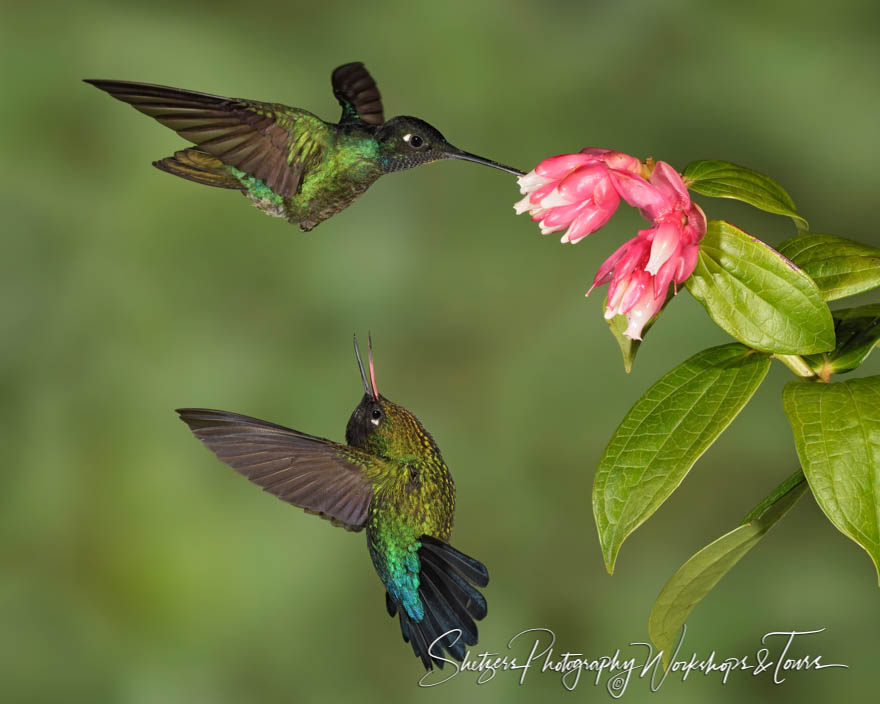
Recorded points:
554,199
523,205
546,230
531,182
665,244
566,240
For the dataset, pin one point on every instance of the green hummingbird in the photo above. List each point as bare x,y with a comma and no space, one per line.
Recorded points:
390,479
287,161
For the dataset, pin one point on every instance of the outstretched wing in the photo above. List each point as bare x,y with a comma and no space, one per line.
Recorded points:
271,142
318,475
356,91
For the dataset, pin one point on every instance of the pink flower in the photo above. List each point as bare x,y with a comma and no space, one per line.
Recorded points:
575,192
580,192
638,274
632,291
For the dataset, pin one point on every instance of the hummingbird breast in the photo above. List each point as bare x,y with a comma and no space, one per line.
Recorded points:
350,166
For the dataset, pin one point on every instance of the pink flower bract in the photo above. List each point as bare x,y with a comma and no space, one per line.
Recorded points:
580,192
575,192
639,273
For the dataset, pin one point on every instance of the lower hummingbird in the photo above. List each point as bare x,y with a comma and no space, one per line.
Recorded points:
390,479
287,161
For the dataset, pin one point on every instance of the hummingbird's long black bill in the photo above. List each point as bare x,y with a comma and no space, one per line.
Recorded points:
467,156
369,386
357,353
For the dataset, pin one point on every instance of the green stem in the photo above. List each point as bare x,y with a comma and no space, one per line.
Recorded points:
797,364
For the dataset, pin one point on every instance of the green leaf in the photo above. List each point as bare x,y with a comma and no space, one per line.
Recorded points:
618,324
858,332
758,296
664,433
628,347
721,179
699,575
840,267
837,434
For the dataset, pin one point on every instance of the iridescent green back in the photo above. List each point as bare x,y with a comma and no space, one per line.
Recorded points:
414,497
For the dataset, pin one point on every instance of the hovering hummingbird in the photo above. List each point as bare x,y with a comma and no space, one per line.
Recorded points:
287,161
390,479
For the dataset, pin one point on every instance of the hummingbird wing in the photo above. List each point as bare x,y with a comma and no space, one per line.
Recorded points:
268,141
315,474
451,603
357,93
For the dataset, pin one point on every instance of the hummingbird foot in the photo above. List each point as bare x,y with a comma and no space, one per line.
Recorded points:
270,206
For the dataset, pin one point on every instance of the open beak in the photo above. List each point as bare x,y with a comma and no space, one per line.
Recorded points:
455,153
369,386
357,353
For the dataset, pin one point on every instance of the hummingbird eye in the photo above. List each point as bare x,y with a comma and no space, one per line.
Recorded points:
376,416
414,140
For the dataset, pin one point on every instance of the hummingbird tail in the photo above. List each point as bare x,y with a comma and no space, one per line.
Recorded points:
447,588
201,167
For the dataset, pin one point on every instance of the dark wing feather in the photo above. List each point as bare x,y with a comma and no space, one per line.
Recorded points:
318,475
356,91
270,142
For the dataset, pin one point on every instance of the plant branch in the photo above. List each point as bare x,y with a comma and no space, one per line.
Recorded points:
797,364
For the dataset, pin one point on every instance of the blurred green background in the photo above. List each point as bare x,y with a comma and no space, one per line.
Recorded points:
138,569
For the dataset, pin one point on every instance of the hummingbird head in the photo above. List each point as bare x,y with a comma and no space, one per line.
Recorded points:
406,142
384,428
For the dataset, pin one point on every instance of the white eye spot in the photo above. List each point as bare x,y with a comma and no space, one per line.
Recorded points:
374,421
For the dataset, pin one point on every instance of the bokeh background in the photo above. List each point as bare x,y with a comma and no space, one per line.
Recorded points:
137,569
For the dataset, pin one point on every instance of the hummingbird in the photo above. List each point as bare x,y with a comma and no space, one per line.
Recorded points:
388,478
287,161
